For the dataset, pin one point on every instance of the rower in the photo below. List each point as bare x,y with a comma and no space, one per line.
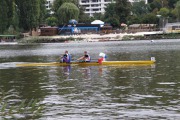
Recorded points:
102,57
85,57
66,57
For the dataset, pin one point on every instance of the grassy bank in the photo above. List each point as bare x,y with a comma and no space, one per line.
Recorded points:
152,37
61,39
45,39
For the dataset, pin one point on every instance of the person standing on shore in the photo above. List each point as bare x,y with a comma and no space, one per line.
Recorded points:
85,58
66,57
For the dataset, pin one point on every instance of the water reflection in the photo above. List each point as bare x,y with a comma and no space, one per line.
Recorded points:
97,92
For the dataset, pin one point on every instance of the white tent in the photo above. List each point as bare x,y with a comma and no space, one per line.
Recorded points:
98,22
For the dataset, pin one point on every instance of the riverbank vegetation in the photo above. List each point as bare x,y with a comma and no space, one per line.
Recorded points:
152,37
47,39
18,16
63,39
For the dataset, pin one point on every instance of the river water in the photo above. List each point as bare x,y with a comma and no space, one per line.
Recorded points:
95,92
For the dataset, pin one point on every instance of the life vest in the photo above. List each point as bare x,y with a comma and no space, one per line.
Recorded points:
67,58
87,58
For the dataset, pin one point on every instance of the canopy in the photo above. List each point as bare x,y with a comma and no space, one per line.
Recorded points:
98,22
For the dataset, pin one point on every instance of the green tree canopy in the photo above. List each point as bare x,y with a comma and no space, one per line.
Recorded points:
149,18
3,16
83,18
52,21
30,13
172,3
110,15
164,12
140,8
57,4
66,12
122,10
177,10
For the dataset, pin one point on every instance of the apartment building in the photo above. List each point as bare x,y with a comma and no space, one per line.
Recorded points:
49,4
98,6
146,1
92,6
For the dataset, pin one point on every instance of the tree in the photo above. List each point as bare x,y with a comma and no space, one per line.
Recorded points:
164,12
66,12
52,21
98,16
43,11
110,10
3,16
30,13
110,15
149,18
140,8
57,4
177,10
134,20
158,4
122,9
83,18
172,3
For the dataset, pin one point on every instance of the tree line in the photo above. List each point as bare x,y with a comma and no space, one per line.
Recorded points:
24,15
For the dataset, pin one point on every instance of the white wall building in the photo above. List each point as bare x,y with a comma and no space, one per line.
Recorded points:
92,6
146,1
98,6
49,4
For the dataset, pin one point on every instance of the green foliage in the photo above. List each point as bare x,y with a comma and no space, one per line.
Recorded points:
140,8
149,18
3,16
159,4
134,20
51,21
177,10
172,3
83,18
98,16
31,13
57,4
66,12
24,109
122,9
43,11
110,10
111,15
114,21
164,12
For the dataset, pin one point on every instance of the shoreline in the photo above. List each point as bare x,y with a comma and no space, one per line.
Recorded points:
154,35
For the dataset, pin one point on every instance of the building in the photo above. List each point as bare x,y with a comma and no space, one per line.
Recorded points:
172,28
92,6
146,1
98,6
49,5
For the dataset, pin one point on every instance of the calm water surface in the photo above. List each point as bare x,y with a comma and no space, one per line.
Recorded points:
96,92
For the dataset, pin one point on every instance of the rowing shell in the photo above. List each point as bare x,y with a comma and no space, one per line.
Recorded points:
144,62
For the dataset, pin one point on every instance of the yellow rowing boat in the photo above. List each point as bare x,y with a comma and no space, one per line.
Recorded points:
138,62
